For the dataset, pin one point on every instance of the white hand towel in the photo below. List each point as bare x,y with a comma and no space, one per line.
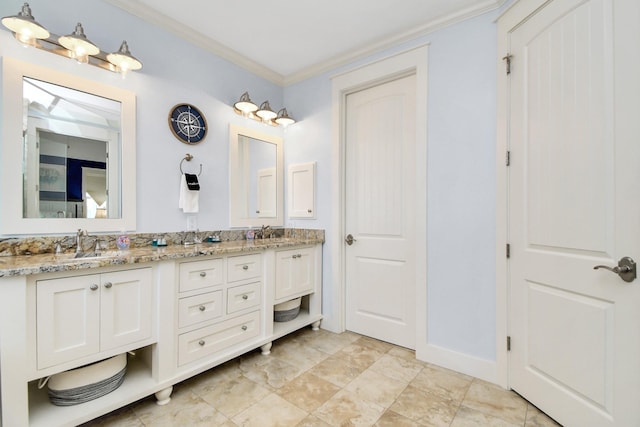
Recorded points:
188,200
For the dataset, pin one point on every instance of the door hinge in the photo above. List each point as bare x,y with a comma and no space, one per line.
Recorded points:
508,343
508,250
508,61
508,158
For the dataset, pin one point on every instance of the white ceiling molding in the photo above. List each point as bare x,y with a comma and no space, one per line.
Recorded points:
196,37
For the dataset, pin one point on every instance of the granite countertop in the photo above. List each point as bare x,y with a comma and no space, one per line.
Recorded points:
49,263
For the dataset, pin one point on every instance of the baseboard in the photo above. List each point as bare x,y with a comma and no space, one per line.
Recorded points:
486,370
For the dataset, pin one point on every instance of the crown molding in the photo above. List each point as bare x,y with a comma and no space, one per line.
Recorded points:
206,43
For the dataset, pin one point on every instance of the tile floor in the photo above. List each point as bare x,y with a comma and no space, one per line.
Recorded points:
325,379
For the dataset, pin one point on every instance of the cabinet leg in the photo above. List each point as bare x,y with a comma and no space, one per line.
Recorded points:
315,325
266,349
164,396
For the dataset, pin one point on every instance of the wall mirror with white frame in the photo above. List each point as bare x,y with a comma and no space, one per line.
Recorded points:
256,178
66,153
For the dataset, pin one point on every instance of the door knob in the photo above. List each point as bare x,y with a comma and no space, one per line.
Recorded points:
349,239
626,269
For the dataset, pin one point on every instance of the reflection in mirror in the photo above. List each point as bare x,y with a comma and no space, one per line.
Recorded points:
256,178
68,137
65,154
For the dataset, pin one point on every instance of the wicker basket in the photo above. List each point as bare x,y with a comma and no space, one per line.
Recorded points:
287,310
87,382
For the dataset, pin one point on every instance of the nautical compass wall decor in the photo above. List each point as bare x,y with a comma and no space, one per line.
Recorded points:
187,123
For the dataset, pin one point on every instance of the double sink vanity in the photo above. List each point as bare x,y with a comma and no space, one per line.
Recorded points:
177,311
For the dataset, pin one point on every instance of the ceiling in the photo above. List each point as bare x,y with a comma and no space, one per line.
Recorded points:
286,41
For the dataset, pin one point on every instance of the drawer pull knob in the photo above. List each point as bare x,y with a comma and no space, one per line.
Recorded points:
202,308
245,267
108,285
201,342
309,210
93,287
244,327
245,297
203,274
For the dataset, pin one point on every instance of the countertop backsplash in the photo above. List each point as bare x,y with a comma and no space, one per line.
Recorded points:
35,245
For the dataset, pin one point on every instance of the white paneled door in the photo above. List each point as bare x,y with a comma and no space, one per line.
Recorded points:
380,211
574,203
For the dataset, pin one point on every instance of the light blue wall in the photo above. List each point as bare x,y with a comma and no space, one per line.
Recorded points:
461,178
461,146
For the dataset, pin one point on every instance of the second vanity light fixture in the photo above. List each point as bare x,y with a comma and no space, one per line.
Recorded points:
264,113
75,45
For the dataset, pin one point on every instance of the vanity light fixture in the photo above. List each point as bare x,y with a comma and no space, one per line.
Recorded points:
75,45
245,105
264,114
79,45
25,27
283,118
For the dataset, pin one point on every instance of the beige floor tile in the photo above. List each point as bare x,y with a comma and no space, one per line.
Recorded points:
297,353
308,391
337,370
467,417
424,408
313,421
231,396
396,367
270,411
185,408
404,353
271,372
493,400
375,387
359,355
320,379
124,417
392,419
444,383
344,409
375,344
328,342
537,418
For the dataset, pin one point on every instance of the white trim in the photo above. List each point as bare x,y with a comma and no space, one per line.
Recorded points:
213,46
479,368
413,61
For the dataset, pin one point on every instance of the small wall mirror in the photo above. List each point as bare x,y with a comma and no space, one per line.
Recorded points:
70,147
256,163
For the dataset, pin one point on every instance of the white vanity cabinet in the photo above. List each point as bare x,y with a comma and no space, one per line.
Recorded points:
79,316
178,315
295,273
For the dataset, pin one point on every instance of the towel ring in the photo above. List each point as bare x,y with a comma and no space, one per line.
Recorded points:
188,158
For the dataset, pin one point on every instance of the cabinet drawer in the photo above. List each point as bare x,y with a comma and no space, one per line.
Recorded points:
208,340
244,296
200,274
199,308
244,267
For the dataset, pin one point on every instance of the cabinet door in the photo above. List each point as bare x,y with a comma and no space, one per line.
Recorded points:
295,272
302,197
68,315
126,307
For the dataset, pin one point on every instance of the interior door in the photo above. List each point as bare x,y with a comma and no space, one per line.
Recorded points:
574,187
380,184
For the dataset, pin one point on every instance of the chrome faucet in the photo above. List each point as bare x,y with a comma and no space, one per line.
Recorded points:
79,235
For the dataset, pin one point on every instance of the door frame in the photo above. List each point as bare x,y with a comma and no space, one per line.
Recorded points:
413,61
